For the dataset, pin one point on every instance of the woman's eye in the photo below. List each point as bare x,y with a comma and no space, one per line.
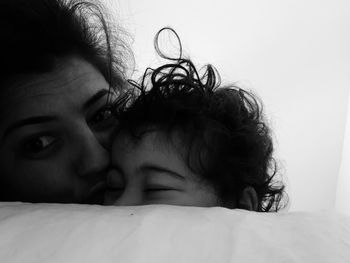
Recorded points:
38,143
103,114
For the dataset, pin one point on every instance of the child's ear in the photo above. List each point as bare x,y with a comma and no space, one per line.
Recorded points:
249,199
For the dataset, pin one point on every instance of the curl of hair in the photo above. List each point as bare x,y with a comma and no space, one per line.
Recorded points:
223,134
37,35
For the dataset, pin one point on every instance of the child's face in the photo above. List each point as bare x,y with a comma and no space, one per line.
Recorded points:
151,171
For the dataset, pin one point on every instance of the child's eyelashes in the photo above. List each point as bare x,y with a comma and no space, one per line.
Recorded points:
145,185
157,188
146,194
145,190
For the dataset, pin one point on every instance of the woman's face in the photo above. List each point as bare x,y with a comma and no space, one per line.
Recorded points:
54,134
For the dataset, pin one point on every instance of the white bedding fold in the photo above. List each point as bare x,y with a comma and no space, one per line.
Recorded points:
38,233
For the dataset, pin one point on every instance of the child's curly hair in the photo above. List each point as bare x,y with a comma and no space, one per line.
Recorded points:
222,130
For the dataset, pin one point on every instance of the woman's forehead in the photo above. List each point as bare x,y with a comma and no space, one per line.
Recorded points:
73,80
67,71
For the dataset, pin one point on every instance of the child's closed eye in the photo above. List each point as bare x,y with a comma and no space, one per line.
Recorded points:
155,188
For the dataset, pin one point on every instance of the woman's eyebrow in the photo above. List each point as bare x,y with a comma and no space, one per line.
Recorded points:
155,168
98,95
29,121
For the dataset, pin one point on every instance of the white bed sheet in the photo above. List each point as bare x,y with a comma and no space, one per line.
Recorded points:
35,233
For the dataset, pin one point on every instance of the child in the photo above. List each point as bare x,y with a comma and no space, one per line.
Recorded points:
183,140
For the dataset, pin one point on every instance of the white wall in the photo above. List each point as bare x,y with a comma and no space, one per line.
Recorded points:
293,53
343,192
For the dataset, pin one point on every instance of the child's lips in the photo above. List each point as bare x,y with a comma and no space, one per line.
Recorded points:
112,195
97,192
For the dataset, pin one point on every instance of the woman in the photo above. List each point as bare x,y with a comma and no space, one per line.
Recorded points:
61,68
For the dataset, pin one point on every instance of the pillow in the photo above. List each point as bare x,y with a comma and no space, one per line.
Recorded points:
158,233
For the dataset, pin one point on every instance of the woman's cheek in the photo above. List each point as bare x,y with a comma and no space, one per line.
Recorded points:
34,181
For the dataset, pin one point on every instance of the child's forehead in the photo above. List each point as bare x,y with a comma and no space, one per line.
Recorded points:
152,138
153,147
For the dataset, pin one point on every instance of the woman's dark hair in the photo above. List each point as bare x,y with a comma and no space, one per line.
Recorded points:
37,34
222,129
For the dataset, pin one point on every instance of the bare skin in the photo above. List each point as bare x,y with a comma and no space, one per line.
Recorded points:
55,132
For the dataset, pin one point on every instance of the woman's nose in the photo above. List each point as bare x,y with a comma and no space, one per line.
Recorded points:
93,158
